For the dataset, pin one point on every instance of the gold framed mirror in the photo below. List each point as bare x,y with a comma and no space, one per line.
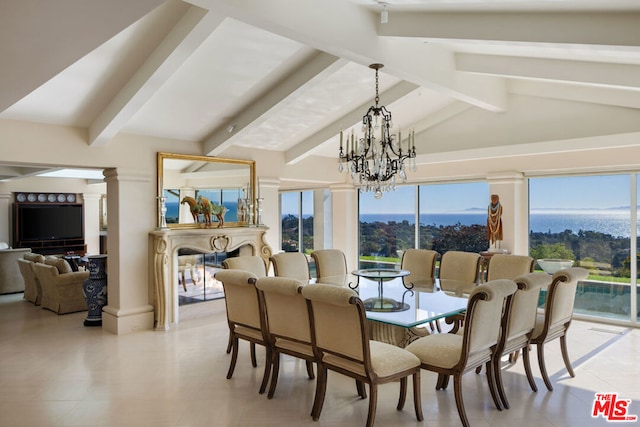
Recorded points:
228,183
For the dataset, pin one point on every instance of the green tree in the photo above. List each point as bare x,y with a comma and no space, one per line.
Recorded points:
556,250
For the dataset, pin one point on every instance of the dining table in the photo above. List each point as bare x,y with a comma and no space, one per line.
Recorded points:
398,310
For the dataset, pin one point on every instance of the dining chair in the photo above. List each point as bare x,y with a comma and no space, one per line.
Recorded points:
518,325
455,354
422,265
505,266
291,264
254,264
329,262
459,271
245,318
341,344
287,323
554,322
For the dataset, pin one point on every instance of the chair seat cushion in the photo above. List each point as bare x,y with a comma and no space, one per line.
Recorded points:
386,360
442,350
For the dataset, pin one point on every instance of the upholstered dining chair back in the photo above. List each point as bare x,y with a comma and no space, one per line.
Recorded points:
556,319
254,264
293,265
518,325
422,265
341,343
504,266
287,322
460,267
329,262
245,317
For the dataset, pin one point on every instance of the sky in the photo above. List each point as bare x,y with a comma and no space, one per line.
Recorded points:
576,192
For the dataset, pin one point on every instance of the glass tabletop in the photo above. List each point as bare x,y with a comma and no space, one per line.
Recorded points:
380,273
423,303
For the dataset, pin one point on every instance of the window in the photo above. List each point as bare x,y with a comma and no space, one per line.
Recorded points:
387,227
454,217
296,209
586,219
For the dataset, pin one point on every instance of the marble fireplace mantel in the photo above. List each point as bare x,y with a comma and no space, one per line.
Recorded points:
163,255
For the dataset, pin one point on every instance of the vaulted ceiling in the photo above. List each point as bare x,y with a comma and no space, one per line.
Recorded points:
469,76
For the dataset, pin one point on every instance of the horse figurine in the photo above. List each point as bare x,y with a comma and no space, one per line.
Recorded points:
206,208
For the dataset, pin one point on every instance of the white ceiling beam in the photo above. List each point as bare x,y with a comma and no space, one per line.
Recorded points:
588,28
596,73
310,145
320,64
350,31
577,92
192,29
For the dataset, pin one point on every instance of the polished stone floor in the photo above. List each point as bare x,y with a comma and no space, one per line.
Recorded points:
56,372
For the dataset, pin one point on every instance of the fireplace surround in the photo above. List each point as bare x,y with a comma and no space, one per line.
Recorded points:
163,250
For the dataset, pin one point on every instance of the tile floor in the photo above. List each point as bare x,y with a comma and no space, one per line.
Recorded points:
56,372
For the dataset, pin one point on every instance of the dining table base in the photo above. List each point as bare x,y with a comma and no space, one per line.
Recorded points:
396,335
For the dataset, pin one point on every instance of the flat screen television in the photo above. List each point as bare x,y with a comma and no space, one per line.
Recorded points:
49,222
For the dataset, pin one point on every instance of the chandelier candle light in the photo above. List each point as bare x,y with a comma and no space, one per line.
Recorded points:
374,161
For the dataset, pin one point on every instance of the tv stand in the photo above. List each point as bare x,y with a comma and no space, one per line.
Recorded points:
55,247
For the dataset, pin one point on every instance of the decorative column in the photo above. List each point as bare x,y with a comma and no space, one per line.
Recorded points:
344,202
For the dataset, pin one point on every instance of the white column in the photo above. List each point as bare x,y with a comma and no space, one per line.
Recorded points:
322,226
512,189
5,219
344,220
132,207
268,189
92,222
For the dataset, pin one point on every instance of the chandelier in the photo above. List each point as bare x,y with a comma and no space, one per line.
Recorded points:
378,156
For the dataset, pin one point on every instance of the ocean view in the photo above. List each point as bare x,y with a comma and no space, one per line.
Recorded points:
614,223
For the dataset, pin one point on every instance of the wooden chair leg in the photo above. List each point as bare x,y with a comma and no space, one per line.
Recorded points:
417,400
527,368
457,389
321,388
229,344
252,346
491,379
565,355
275,370
373,404
403,393
234,358
497,372
267,369
310,373
543,368
362,391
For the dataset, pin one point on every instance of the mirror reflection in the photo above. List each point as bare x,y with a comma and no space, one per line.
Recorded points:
203,191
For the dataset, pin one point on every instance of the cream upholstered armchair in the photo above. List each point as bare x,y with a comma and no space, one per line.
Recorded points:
341,343
459,271
254,264
287,323
32,287
504,266
556,319
517,327
61,287
455,354
244,317
329,262
293,265
10,277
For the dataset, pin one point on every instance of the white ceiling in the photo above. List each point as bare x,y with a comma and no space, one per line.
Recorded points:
288,76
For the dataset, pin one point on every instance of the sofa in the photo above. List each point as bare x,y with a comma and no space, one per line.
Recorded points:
10,278
61,286
32,289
